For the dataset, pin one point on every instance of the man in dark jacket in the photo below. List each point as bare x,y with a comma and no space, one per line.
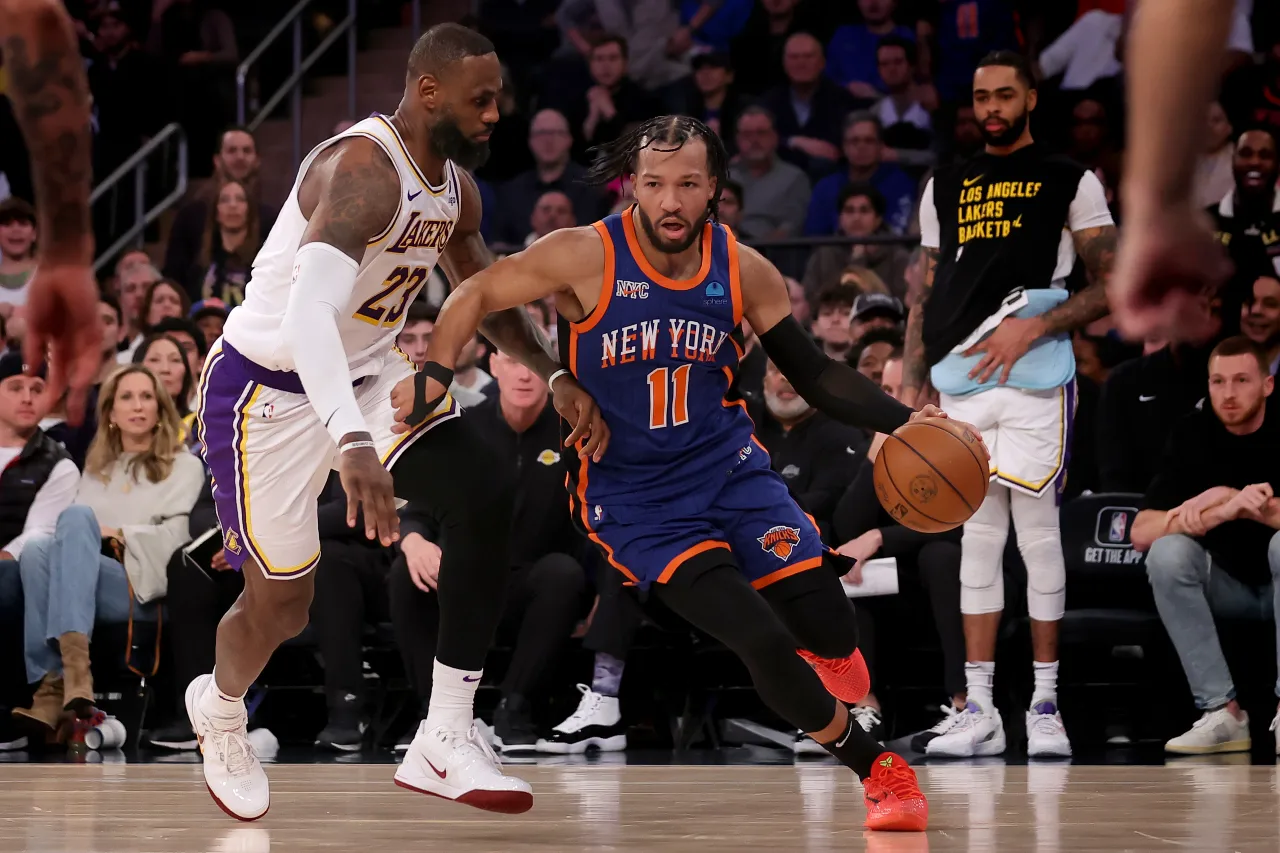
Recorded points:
546,596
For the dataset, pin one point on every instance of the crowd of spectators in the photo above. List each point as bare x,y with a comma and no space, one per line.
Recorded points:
834,114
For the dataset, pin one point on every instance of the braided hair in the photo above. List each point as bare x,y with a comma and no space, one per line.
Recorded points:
618,159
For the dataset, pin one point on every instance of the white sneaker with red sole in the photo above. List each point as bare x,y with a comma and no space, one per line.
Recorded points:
461,766
232,772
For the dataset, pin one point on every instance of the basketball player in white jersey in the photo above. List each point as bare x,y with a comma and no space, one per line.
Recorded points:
300,383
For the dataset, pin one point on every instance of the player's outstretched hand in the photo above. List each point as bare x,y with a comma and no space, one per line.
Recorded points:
579,409
1167,266
62,324
369,487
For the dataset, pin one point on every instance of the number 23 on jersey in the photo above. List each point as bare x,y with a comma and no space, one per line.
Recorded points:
382,309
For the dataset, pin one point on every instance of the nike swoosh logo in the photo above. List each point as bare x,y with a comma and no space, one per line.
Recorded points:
1146,398
850,451
968,182
440,773
847,735
412,196
469,678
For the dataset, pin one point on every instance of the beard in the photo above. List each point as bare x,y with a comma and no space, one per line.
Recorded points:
786,410
1241,415
672,247
448,142
1006,136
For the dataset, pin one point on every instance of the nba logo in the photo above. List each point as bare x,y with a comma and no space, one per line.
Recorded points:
598,514
1119,526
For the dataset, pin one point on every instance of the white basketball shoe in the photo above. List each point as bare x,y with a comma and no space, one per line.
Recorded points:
232,773
461,766
1046,736
972,733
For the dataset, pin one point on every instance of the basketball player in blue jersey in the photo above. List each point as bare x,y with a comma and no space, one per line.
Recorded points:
684,503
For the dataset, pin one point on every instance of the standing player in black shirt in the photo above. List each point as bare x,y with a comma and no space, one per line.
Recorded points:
1001,233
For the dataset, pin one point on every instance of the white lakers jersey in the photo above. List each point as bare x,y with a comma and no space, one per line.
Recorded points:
393,270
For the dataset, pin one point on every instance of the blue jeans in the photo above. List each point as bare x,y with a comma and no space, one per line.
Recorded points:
68,585
1190,589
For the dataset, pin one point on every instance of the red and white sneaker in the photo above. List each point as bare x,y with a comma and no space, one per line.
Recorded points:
893,797
461,766
846,679
232,772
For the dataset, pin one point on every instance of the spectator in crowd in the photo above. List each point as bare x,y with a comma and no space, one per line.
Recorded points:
831,323
1249,211
138,486
863,147
77,439
553,211
861,215
654,44
550,142
1260,105
808,109
875,311
162,355
209,315
799,301
816,455
189,338
1213,178
198,44
37,478
966,135
716,103
1140,402
235,160
871,352
163,298
471,385
775,193
110,320
730,210
615,100
926,562
232,238
523,31
1208,524
757,51
1087,52
546,594
135,274
1091,144
129,104
415,335
1260,321
908,127
852,52
965,33
17,253
350,593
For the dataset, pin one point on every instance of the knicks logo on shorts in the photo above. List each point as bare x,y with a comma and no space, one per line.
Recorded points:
780,541
231,541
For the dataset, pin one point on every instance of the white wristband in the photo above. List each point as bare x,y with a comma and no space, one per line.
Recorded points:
356,445
551,383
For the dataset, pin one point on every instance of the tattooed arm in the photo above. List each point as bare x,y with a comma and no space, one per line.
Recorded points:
51,98
914,369
511,330
1097,247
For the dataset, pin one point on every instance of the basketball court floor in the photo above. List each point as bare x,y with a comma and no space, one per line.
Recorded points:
1204,805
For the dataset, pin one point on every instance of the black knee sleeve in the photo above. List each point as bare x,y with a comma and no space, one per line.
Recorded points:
814,607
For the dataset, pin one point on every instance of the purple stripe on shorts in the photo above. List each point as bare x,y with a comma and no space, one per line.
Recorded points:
227,385
1069,405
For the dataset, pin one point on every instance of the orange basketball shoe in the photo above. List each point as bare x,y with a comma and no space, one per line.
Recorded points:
845,678
893,797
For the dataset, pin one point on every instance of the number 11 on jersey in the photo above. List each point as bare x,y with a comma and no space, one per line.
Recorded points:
677,399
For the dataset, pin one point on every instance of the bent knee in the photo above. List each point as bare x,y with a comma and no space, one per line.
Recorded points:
1175,557
280,609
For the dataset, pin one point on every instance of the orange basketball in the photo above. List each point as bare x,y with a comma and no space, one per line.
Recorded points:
931,475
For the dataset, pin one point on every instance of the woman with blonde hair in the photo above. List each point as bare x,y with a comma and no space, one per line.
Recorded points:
139,485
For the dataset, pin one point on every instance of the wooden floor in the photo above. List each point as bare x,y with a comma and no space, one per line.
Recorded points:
156,808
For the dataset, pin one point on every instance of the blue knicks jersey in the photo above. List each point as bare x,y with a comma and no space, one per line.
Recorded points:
659,356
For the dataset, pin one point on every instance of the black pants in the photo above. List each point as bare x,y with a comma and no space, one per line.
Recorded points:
196,601
350,592
544,602
935,569
618,615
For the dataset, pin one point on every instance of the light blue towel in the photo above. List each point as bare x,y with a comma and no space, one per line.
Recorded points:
1050,363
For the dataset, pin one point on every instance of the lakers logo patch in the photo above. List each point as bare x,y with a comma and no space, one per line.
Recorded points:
231,542
780,541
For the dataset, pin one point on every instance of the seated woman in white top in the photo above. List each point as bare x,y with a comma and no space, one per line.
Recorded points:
138,486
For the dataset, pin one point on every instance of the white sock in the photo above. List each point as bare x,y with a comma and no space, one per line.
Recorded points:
453,695
1046,687
979,678
220,705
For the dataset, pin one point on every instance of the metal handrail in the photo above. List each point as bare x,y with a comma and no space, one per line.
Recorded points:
292,86
137,166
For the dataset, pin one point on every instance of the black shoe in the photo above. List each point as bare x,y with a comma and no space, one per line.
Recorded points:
11,737
513,730
178,737
345,729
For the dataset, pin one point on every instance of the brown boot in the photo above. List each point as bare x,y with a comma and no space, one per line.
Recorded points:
78,679
46,706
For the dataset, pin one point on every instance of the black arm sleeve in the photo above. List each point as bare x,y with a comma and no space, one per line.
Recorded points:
830,386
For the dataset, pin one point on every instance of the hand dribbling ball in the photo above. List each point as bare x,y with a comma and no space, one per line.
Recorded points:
931,475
